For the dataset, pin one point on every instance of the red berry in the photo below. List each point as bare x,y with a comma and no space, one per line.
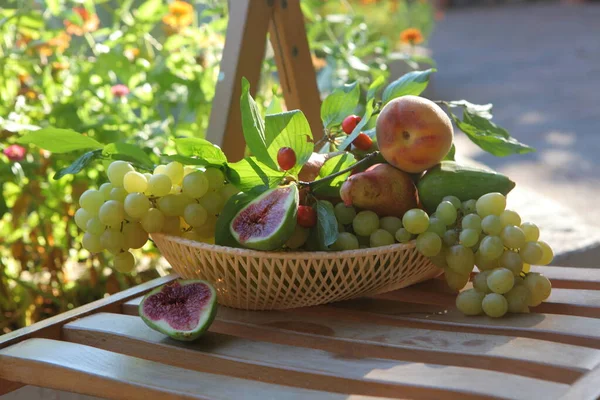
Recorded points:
307,216
350,123
286,158
363,142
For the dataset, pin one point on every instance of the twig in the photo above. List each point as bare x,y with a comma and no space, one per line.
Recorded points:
366,159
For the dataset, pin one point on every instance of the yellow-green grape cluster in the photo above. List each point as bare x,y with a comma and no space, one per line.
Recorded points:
175,200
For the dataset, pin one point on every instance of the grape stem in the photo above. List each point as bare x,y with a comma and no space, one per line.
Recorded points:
328,178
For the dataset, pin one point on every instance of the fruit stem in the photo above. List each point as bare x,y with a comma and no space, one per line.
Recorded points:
364,160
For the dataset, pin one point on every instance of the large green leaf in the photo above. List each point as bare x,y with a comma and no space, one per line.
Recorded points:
333,165
374,87
327,227
201,149
59,140
250,175
451,153
79,164
358,129
490,137
483,110
128,152
413,83
339,104
289,129
254,127
223,236
3,205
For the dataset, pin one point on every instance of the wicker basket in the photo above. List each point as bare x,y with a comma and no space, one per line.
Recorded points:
259,280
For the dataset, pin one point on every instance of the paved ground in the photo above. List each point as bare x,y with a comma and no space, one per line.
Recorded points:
539,64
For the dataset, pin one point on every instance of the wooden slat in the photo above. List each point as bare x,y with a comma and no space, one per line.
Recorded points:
87,370
294,63
301,366
533,358
7,387
571,278
587,388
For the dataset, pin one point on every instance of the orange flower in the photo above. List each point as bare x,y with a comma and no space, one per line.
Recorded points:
90,23
318,63
131,53
181,14
57,44
59,66
411,36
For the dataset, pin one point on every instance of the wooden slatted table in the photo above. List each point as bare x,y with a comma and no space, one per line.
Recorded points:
410,343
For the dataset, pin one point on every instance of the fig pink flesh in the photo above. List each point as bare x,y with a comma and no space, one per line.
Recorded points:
178,305
263,218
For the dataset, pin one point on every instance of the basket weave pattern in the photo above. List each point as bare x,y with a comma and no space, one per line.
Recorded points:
258,280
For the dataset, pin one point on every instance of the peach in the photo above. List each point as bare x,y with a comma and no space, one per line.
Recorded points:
413,133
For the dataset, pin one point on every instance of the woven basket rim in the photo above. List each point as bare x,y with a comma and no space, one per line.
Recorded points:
293,255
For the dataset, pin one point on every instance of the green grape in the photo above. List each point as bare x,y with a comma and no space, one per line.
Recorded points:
491,247
118,194
469,207
82,217
490,204
460,259
175,189
446,212
403,236
92,243
454,200
160,170
94,226
380,237
159,185
491,225
112,240
512,237
539,286
469,237
532,232
135,236
429,244
518,298
345,215
471,221
105,189
124,262
415,221
511,261
436,226
192,235
365,223
480,282
212,202
228,191
136,205
340,227
469,302
439,260
450,237
195,185
510,217
116,172
134,182
216,179
485,264
500,280
455,280
112,213
298,238
346,241
208,229
531,253
169,205
171,226
547,253
195,215
91,200
494,305
174,170
390,224
153,220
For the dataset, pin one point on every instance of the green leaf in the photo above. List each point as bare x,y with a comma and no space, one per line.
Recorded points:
413,83
331,166
363,122
127,152
223,236
201,149
327,227
451,153
254,127
289,129
79,164
53,6
490,137
483,110
250,175
339,104
151,10
3,205
374,87
59,140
